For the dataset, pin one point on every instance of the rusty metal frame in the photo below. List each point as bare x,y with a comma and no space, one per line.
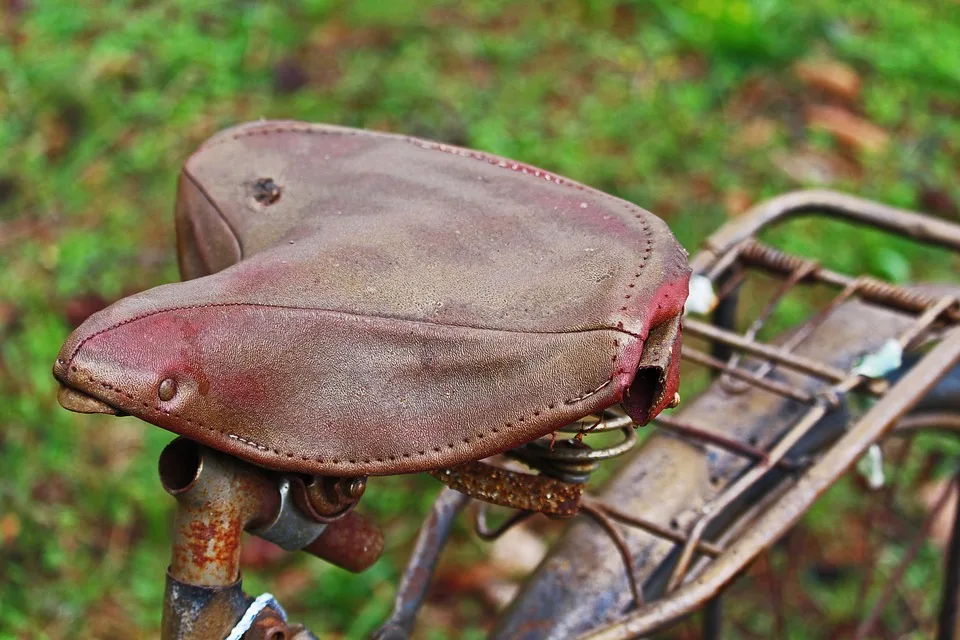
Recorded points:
735,248
712,549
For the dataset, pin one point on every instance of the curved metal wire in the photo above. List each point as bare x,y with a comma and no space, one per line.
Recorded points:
573,460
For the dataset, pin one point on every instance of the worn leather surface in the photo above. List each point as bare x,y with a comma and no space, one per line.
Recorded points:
403,305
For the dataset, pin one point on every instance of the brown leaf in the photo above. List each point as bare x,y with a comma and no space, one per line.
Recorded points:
9,528
812,167
847,128
736,201
831,77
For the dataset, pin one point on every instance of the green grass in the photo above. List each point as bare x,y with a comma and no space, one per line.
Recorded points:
660,103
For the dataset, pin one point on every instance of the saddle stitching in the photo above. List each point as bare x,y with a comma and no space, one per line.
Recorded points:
289,454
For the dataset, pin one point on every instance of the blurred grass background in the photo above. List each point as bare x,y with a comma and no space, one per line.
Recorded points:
694,109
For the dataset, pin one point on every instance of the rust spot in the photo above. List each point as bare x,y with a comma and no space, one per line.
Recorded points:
206,547
511,489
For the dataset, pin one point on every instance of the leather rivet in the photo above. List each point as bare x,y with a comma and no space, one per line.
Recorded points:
168,388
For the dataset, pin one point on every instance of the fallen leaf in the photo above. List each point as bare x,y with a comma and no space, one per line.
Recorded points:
9,528
813,167
829,76
736,201
847,127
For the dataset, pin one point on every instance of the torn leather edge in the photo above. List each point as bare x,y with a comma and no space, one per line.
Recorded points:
658,373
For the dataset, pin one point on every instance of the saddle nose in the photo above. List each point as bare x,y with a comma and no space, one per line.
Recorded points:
79,402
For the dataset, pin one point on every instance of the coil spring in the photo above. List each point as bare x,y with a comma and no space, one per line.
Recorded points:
572,459
868,288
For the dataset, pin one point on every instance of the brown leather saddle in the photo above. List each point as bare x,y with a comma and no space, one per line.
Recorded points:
359,303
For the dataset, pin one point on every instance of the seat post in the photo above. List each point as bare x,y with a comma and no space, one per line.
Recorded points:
217,498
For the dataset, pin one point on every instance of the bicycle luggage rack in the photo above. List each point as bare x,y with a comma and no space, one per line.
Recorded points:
714,547
729,254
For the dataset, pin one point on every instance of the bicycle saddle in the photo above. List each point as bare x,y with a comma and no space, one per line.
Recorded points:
359,303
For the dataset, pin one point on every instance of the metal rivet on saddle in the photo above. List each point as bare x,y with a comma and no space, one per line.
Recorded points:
168,389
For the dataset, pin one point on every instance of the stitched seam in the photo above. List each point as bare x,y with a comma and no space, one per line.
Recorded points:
422,144
159,410
73,353
226,221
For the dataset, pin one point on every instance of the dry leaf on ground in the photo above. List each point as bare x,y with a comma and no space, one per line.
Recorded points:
832,77
848,128
813,167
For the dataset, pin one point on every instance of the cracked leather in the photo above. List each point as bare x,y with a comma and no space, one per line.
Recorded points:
402,305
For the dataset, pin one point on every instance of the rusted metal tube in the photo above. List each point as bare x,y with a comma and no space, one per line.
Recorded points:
507,488
352,543
907,299
776,354
837,205
746,375
423,560
217,498
193,612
